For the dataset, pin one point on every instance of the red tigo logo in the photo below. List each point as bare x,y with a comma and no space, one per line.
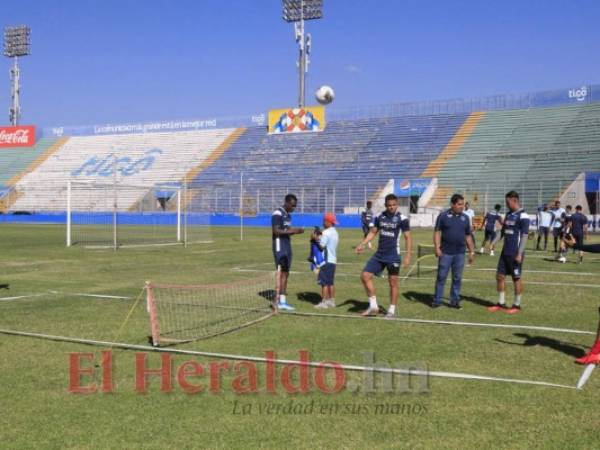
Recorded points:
20,136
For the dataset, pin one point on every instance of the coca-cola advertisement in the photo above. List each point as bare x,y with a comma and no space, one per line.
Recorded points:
19,136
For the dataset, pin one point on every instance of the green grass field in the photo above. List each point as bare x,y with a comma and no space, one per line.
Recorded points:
38,411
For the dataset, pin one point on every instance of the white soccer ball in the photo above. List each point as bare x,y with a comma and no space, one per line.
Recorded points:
325,95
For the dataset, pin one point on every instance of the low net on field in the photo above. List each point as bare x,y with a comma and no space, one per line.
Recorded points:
183,313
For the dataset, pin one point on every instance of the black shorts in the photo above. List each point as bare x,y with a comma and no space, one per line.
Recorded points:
376,266
557,232
490,235
283,261
508,266
327,275
578,239
543,231
365,229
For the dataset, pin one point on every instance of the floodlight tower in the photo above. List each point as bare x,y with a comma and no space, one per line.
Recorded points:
16,43
298,11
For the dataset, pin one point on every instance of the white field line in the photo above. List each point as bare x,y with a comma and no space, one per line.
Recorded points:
81,294
443,322
554,272
415,279
287,362
20,297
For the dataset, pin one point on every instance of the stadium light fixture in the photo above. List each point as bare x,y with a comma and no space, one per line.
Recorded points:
16,43
297,11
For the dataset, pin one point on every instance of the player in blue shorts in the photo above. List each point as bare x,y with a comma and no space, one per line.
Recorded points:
328,242
390,225
366,220
576,226
282,230
489,225
514,231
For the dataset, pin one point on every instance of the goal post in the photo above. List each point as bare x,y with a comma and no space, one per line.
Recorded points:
117,215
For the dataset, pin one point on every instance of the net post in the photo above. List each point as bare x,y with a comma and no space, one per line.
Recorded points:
151,308
179,214
418,260
186,206
241,206
68,213
115,205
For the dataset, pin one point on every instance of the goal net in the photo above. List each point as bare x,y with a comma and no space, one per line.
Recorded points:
183,313
114,215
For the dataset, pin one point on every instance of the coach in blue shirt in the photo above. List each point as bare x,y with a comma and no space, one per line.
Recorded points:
452,235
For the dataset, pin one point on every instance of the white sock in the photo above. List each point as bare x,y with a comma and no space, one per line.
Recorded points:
332,300
373,302
501,298
282,298
392,309
482,249
517,300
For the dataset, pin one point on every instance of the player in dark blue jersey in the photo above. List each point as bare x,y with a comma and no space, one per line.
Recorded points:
366,220
390,225
282,230
576,226
515,231
489,226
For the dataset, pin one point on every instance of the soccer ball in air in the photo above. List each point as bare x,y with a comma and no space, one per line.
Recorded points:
324,95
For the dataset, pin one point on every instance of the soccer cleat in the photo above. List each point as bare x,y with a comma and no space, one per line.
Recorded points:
514,309
436,305
562,259
481,251
285,306
590,358
497,307
455,306
390,315
370,312
491,252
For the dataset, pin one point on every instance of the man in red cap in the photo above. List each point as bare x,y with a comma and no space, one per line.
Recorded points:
329,242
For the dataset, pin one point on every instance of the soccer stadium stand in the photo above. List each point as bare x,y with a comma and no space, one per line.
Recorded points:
537,151
141,161
16,162
352,157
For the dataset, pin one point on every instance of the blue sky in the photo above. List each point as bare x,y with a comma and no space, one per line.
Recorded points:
114,61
